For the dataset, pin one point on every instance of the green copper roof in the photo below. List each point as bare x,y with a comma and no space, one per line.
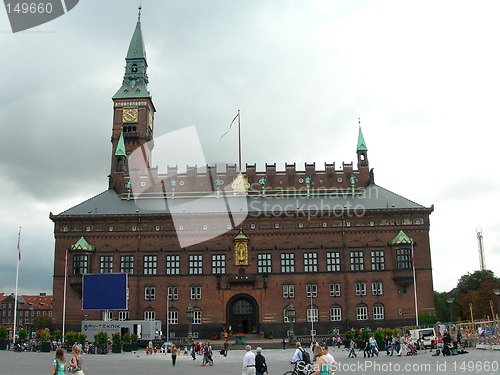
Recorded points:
120,148
135,81
241,236
136,49
401,239
361,141
82,244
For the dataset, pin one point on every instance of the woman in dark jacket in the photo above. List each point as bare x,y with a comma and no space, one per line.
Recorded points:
260,362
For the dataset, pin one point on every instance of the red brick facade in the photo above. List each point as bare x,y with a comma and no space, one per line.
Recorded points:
323,232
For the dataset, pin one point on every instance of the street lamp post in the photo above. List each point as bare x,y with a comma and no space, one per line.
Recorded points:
497,293
291,319
450,301
189,316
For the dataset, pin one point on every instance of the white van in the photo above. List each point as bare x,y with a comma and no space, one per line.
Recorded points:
427,333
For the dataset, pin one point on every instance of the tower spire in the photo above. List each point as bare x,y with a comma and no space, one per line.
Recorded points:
361,149
135,80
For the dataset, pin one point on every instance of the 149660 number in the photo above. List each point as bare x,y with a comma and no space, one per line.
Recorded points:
32,8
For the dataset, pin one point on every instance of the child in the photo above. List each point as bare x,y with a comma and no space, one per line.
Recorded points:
59,362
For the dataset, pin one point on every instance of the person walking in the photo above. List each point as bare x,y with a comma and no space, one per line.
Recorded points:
333,366
174,353
226,347
260,362
248,361
283,342
77,360
367,349
59,362
352,349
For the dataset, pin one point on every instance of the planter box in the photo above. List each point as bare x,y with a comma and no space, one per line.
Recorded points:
3,344
135,346
45,347
127,347
116,348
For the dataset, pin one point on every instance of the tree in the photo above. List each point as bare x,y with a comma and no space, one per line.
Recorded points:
480,300
42,322
473,282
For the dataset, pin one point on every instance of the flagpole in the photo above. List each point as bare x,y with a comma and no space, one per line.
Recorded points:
14,326
414,283
64,293
239,140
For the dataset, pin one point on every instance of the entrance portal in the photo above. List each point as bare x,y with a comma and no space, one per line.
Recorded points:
242,313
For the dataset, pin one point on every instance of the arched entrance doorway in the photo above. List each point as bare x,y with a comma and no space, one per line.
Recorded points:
242,313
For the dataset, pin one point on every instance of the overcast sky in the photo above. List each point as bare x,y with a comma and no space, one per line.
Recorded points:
423,76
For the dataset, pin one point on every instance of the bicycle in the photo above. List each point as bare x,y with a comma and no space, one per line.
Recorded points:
300,368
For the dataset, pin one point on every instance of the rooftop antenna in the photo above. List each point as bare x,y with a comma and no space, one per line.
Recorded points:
140,7
480,248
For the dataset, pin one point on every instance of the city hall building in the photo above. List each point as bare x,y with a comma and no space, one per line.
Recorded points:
212,248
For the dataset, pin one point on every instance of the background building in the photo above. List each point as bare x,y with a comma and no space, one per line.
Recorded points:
328,243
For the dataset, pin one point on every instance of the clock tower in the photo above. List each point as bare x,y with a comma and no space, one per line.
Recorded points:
133,114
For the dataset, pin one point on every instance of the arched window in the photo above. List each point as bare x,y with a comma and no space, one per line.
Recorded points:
149,314
378,311
361,312
134,68
173,316
197,316
335,313
312,313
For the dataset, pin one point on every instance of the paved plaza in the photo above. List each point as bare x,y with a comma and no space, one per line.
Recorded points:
475,362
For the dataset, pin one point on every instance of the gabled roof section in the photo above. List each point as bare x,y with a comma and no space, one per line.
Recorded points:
401,239
361,141
82,245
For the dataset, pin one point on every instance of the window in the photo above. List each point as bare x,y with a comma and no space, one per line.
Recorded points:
310,262
377,288
173,316
335,313
195,264
311,290
123,315
286,319
333,262
287,262
106,315
195,293
173,264
106,264
150,264
288,291
403,258
357,261
335,290
172,293
149,293
360,289
362,312
197,316
218,264
264,263
127,264
312,313
378,312
149,314
242,307
378,260
80,264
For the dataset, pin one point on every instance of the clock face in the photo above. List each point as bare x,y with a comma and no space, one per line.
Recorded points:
130,114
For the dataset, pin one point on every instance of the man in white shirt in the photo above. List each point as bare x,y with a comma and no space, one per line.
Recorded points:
324,347
297,356
249,362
